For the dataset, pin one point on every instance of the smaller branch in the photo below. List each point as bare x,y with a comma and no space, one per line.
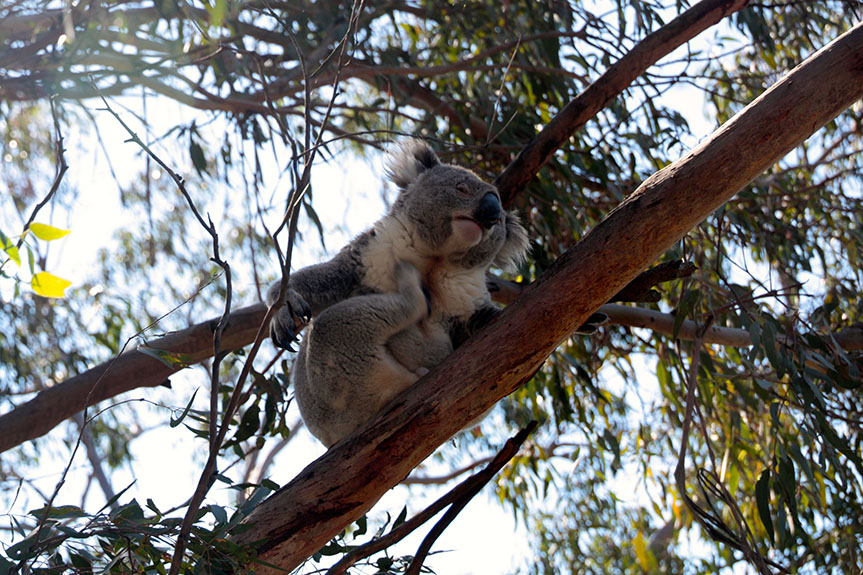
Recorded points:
708,518
475,483
217,434
458,497
640,289
440,479
608,86
500,90
59,172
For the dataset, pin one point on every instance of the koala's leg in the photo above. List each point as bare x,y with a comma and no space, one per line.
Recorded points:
347,374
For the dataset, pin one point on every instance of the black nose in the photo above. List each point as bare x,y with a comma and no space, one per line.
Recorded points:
489,210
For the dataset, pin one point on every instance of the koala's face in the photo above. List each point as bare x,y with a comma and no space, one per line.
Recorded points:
451,211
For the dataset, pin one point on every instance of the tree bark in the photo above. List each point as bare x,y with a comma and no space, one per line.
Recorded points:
347,480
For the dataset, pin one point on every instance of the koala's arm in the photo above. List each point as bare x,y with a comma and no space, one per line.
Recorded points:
312,290
460,331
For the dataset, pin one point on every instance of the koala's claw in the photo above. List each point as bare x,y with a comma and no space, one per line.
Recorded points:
427,293
592,323
289,321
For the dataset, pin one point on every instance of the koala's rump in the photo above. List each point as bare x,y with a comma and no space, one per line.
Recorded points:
341,380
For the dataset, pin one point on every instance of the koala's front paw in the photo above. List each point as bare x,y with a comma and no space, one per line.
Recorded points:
289,320
592,323
409,283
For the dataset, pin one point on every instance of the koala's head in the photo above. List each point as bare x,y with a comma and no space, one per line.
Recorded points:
452,212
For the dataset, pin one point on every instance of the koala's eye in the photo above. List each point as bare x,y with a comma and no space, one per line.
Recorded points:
463,189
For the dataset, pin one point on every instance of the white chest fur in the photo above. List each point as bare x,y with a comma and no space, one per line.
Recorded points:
454,291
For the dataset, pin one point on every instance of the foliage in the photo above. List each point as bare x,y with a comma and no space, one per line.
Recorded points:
259,83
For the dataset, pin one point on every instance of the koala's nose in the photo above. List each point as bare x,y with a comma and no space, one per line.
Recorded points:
489,210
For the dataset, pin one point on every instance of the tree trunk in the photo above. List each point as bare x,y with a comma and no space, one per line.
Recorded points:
345,482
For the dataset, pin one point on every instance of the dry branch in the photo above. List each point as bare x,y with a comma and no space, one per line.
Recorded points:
346,481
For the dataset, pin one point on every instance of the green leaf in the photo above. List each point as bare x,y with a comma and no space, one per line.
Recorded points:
24,549
362,526
152,507
116,497
762,500
49,285
803,464
172,359
684,309
196,152
641,552
401,518
81,563
9,247
249,424
219,513
58,512
217,12
46,232
179,420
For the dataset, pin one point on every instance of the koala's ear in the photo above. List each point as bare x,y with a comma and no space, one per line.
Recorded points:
410,160
514,248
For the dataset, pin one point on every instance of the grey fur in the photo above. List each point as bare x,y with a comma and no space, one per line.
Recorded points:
395,301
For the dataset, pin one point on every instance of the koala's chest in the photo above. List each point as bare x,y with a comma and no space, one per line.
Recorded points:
454,292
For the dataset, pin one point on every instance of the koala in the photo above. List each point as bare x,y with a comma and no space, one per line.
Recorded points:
398,299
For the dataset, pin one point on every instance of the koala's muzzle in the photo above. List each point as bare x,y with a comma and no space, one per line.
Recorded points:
489,211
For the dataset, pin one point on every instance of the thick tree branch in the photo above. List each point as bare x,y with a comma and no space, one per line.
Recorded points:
607,87
502,357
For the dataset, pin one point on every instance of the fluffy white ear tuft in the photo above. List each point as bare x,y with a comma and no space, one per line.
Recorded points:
514,249
408,161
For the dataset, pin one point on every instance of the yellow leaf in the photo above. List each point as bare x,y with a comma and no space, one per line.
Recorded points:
641,551
49,285
46,232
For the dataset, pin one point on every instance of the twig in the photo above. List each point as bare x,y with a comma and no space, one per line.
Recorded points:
95,460
639,289
59,171
458,497
489,135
